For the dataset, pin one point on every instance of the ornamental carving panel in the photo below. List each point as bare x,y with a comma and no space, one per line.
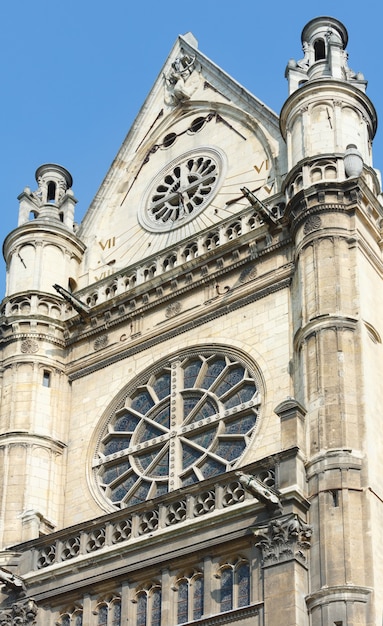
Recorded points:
312,223
101,342
173,309
29,346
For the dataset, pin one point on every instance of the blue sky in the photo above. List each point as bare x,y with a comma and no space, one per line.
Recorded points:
74,74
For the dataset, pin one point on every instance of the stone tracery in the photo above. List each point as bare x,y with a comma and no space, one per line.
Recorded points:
190,420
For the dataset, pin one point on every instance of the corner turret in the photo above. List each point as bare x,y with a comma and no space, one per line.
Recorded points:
327,114
41,251
44,249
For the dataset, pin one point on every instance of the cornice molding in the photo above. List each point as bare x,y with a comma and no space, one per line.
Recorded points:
321,323
80,369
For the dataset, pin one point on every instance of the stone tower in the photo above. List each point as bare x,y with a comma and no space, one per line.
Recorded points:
190,379
334,212
43,249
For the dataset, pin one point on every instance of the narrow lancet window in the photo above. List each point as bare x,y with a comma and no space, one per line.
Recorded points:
319,50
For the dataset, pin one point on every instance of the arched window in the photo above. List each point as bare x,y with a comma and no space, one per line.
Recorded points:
226,589
148,601
183,602
190,252
51,192
189,598
212,241
109,612
319,50
203,428
71,618
234,230
102,615
235,585
115,611
243,584
170,262
142,604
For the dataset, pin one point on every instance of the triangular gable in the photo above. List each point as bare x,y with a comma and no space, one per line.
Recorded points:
198,139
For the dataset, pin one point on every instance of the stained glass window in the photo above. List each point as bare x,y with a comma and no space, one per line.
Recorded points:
102,615
183,601
77,621
156,608
116,613
71,619
243,584
208,402
142,603
190,598
198,598
235,585
227,589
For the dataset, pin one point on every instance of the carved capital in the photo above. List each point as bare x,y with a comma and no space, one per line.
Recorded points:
19,614
283,539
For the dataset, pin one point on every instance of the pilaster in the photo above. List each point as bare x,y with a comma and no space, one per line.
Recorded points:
284,543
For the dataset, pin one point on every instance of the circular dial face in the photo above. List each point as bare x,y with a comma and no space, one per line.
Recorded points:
182,190
158,440
183,182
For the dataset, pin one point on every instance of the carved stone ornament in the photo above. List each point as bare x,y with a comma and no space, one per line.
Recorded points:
101,342
283,539
313,222
173,309
249,273
177,78
19,614
29,346
263,492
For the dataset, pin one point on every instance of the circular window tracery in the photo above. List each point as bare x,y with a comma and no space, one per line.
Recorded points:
182,189
191,419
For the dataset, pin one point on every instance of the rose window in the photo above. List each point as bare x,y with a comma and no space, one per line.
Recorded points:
188,421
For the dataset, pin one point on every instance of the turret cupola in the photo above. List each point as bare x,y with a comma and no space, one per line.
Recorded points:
44,249
324,42
327,120
52,201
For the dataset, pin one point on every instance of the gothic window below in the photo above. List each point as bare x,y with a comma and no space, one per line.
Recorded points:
71,618
188,420
189,598
235,585
109,613
148,603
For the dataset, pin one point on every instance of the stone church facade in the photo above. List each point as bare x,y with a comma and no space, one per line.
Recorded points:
190,378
